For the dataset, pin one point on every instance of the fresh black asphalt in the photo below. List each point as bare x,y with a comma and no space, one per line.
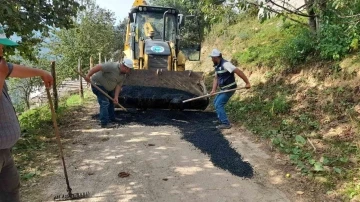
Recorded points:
197,128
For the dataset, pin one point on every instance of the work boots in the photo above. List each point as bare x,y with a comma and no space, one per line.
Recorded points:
109,125
223,126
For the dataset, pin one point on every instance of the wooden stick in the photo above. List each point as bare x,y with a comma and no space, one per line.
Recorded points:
311,144
81,90
91,66
101,91
208,95
56,97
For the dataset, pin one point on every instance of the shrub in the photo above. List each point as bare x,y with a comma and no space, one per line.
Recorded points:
334,43
296,48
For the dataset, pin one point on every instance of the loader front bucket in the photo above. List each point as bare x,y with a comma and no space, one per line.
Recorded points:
162,89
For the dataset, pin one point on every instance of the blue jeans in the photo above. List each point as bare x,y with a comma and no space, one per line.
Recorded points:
107,110
219,102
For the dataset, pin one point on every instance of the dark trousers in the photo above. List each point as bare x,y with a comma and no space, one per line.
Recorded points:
107,110
9,178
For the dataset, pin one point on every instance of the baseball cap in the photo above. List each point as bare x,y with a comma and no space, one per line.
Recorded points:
128,63
4,40
215,53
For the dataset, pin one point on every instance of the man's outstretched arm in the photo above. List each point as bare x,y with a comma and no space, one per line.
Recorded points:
243,77
21,71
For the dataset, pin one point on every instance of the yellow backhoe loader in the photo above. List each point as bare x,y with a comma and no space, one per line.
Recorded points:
159,47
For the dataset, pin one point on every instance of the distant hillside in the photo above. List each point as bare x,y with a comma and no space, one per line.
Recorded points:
43,50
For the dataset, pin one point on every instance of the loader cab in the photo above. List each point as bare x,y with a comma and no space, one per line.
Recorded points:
160,25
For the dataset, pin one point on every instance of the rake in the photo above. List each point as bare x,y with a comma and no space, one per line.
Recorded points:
70,195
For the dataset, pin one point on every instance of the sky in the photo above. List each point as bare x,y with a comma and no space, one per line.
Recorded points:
121,8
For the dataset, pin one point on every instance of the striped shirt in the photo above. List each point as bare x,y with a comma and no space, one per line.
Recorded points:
9,124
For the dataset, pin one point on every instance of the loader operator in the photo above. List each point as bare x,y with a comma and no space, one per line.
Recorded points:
108,77
224,79
9,124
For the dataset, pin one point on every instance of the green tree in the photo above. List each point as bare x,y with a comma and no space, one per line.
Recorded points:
32,19
94,33
21,90
120,32
207,11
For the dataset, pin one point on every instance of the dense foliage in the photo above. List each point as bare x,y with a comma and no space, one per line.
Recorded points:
95,32
32,19
332,25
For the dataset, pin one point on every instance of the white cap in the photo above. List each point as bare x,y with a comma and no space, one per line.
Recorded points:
215,53
128,63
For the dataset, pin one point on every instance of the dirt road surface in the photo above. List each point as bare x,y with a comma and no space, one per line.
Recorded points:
169,156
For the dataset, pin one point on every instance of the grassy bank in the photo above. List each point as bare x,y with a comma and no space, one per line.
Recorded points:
36,152
306,105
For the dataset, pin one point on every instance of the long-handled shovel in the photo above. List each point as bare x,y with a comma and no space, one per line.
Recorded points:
177,103
70,195
101,91
209,95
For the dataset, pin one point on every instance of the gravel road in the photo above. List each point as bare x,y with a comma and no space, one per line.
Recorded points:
161,156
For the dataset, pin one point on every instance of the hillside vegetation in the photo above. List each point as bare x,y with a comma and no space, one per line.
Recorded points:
37,148
303,100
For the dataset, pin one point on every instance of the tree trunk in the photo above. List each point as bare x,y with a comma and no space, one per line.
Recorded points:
27,100
310,6
322,10
322,6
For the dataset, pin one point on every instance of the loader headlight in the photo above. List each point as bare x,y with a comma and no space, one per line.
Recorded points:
140,8
144,8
